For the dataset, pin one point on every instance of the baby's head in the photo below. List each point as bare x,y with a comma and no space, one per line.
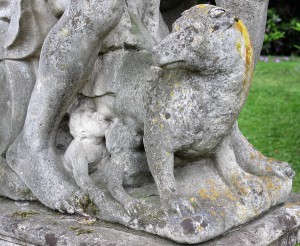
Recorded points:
85,121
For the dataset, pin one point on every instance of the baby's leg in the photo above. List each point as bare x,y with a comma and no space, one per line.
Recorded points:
80,168
68,55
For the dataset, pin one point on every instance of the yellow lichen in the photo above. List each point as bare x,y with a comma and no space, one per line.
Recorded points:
260,156
239,47
208,194
63,66
193,201
177,84
177,28
213,212
155,120
201,6
87,221
210,181
230,196
270,160
239,25
214,192
292,204
270,185
269,168
64,31
239,184
200,228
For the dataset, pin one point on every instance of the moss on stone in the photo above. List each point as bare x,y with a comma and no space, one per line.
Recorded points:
25,214
80,231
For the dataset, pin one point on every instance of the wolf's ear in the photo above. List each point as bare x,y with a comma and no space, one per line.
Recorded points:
216,12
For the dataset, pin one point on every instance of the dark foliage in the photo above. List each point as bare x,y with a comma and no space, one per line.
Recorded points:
282,29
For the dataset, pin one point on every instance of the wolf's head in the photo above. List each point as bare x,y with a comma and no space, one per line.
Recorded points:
206,39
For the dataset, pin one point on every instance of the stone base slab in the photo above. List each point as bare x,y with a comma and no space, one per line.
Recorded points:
24,223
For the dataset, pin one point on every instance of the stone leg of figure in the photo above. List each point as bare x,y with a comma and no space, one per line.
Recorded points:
11,185
16,84
252,189
254,162
160,157
67,57
122,143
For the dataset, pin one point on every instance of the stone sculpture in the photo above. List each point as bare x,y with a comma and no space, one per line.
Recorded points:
152,141
87,150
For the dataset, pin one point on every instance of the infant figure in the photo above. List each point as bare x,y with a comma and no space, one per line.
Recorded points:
87,151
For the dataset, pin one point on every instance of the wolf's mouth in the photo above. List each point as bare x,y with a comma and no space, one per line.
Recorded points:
173,65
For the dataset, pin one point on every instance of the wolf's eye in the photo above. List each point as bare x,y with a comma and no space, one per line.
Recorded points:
217,12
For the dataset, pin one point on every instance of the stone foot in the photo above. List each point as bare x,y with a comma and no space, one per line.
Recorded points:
42,171
11,185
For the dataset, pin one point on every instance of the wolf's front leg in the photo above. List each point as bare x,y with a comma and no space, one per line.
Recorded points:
160,159
121,142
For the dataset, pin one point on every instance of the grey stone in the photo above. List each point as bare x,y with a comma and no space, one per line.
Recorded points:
280,226
23,223
130,123
18,80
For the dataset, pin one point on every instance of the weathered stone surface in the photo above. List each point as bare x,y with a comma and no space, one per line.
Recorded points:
280,226
128,122
27,224
34,224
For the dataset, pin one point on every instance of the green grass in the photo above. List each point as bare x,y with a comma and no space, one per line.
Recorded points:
270,118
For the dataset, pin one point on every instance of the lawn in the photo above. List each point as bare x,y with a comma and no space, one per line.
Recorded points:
270,118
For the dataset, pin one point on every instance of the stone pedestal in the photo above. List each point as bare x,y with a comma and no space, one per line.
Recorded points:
23,223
